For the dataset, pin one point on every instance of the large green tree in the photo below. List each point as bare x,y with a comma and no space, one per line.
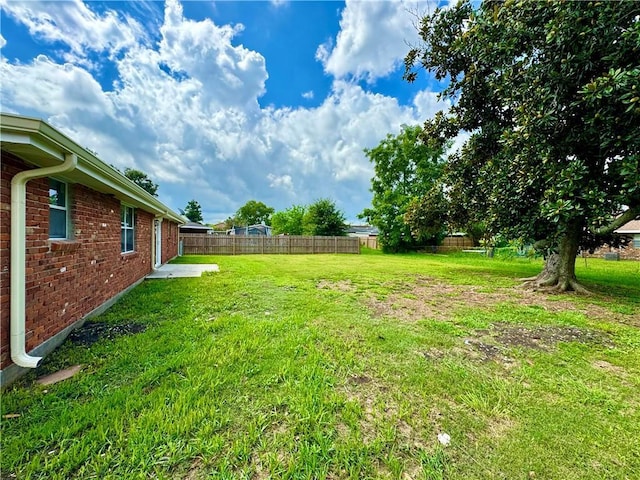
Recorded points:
427,216
549,92
253,213
405,169
324,218
142,179
289,221
193,211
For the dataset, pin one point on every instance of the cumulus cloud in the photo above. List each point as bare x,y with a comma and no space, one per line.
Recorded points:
185,110
3,42
76,25
53,87
284,182
308,95
373,38
427,103
233,74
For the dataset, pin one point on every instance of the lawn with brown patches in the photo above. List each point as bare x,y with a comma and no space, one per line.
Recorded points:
344,367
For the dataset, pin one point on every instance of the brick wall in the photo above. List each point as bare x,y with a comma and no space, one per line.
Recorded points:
65,280
169,240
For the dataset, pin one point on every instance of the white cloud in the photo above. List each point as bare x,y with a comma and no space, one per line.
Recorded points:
284,182
427,104
308,95
76,25
47,86
199,130
373,38
229,74
3,42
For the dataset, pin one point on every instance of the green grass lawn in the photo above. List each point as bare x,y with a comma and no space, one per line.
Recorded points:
345,366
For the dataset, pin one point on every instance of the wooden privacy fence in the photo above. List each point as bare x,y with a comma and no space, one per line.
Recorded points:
198,244
369,242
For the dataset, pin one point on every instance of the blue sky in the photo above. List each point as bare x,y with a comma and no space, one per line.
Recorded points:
221,102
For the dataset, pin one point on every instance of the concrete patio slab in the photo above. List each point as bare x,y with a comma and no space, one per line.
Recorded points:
183,270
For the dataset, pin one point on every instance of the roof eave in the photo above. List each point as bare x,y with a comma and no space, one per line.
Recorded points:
50,145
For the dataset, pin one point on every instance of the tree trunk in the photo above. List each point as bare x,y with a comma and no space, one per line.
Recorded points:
559,273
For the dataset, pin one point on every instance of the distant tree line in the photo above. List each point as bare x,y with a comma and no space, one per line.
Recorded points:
321,217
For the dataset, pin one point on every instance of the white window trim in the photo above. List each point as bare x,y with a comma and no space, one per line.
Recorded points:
125,228
65,209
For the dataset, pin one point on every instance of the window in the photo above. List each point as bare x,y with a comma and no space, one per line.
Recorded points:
127,224
57,209
636,240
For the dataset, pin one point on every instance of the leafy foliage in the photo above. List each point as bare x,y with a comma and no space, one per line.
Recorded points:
427,216
193,211
230,222
549,92
253,213
324,218
405,168
142,179
289,221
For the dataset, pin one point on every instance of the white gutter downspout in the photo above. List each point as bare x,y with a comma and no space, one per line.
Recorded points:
18,257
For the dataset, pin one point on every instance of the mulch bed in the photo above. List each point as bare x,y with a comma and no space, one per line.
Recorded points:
91,332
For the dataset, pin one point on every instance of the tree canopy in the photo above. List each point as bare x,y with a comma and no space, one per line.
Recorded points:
324,218
253,213
549,92
289,221
141,179
193,211
427,216
405,169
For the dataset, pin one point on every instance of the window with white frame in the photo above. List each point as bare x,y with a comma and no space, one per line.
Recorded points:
127,225
58,211
636,240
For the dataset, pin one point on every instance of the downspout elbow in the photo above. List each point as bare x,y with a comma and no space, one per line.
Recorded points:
19,356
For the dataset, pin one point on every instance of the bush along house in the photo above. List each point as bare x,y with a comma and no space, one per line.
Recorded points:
75,234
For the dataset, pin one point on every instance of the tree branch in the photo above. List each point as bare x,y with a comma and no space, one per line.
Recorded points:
626,217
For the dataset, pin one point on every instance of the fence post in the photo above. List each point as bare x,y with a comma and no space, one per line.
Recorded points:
262,249
233,245
335,244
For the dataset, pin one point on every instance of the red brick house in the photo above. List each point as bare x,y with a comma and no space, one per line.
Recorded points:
75,234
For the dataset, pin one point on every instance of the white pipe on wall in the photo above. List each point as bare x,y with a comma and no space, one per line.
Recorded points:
18,255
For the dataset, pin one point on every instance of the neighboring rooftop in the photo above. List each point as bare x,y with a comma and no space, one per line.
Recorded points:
632,227
194,226
362,230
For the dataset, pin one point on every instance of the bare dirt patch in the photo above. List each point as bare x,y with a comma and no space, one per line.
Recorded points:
547,337
608,367
426,297
359,379
429,298
341,285
493,344
614,370
194,470
91,332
